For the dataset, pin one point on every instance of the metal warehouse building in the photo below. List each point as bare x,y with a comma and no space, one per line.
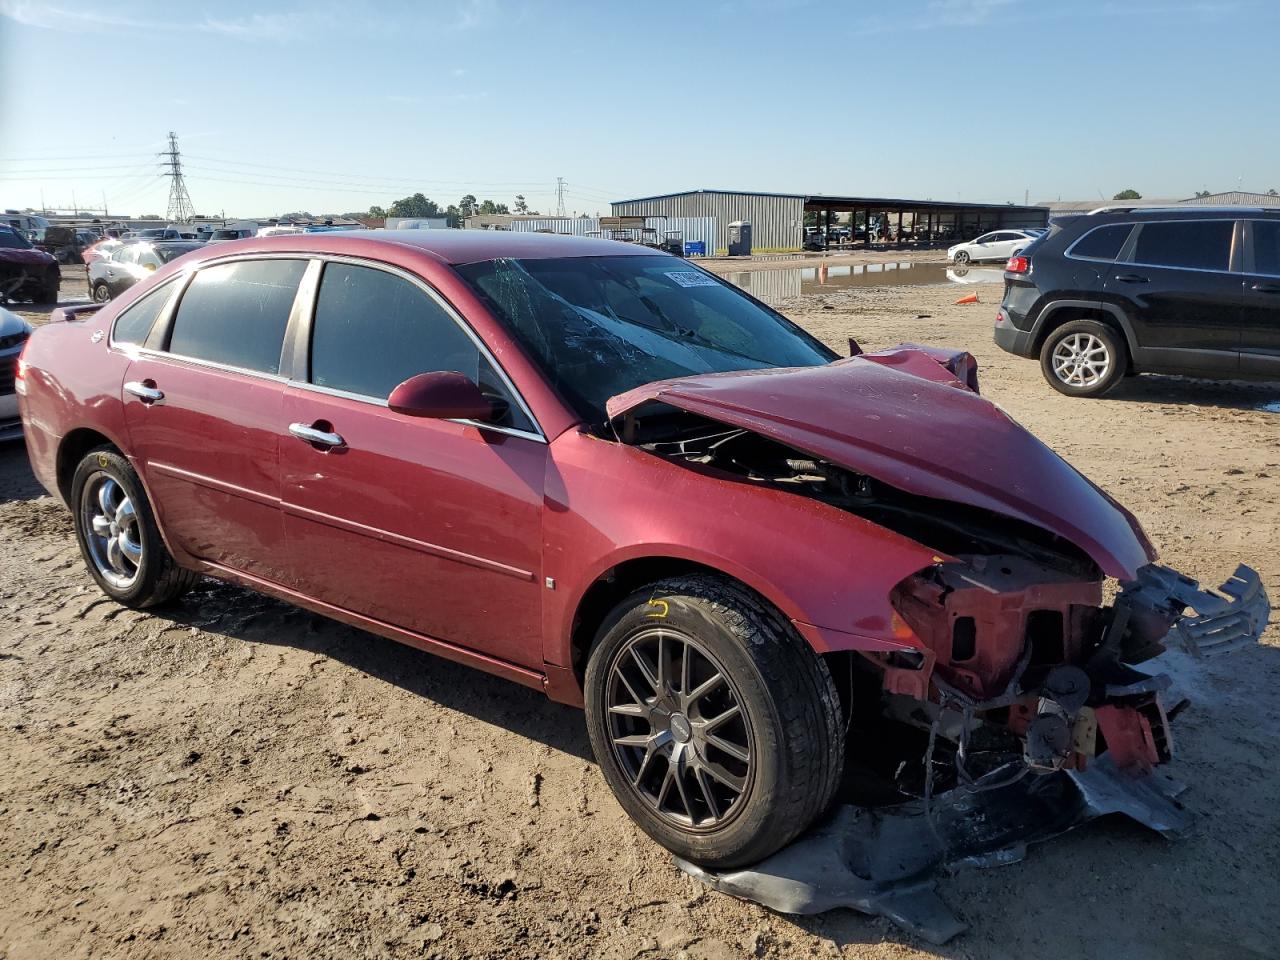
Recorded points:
777,219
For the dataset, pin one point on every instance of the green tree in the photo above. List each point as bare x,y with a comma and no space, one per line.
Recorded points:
415,206
1130,194
1202,193
467,206
1272,193
489,207
377,211
521,206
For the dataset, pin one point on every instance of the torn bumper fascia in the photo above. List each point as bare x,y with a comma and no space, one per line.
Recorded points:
885,862
1221,622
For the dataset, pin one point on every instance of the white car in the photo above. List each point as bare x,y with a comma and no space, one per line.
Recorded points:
996,245
13,337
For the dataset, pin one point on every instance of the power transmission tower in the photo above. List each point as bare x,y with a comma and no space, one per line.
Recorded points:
559,196
180,208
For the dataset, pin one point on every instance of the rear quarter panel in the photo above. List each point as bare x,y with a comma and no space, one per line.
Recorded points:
72,382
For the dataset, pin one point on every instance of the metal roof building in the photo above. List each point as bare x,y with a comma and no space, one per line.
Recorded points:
777,219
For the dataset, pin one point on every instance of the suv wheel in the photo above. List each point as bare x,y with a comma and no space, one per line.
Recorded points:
1083,358
118,536
716,726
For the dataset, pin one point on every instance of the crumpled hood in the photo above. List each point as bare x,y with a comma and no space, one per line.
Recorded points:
904,419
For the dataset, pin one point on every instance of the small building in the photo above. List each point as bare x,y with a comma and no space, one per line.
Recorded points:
1238,198
778,219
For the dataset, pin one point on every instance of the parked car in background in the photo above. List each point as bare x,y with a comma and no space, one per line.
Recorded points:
223,234
184,232
100,249
996,245
25,272
130,262
14,332
1192,291
534,454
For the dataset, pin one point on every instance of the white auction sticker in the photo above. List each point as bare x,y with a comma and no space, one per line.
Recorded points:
691,278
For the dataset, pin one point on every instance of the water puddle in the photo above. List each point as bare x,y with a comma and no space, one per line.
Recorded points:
1272,407
775,286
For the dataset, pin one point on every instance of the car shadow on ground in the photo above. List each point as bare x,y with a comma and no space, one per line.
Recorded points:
253,618
1233,394
17,482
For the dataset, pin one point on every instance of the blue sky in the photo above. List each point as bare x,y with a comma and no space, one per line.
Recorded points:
334,107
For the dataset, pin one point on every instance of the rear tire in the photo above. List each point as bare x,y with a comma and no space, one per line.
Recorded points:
118,536
719,792
1083,358
100,293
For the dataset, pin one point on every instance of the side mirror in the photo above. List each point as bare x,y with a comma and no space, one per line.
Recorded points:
442,395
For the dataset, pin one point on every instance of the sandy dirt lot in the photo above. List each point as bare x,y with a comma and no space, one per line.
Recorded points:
233,777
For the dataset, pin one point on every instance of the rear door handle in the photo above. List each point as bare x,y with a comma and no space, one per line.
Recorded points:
1132,278
1266,287
144,390
310,434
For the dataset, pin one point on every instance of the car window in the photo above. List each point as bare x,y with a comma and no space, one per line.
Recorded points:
1191,244
1266,247
136,322
236,313
149,258
13,240
1102,243
126,254
373,330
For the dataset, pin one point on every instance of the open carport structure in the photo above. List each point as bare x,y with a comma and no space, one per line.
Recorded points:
778,219
918,222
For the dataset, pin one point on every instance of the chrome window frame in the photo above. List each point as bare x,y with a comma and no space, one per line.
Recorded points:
1123,244
301,346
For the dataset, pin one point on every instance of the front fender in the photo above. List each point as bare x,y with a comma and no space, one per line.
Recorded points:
828,571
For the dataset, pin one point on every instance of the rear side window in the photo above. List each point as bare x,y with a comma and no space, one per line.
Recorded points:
1266,247
236,313
1102,243
134,324
373,330
1191,244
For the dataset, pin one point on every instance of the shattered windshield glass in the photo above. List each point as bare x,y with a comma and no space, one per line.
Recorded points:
599,326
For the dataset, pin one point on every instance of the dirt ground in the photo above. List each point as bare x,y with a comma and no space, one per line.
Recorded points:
237,778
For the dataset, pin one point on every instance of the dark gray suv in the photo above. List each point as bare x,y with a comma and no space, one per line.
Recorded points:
1186,290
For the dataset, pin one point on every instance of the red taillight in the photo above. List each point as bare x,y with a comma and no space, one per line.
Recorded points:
1018,264
20,373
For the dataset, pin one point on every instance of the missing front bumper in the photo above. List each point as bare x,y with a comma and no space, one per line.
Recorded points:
883,862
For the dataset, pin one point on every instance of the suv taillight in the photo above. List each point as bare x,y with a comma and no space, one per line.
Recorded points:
1018,264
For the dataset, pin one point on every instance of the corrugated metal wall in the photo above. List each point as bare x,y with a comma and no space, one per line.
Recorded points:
776,221
693,228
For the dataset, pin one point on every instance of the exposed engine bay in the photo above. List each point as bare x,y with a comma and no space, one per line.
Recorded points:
1016,665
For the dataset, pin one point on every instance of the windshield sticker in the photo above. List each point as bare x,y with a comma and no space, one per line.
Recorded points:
690,278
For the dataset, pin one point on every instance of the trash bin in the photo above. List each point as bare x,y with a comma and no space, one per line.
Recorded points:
740,239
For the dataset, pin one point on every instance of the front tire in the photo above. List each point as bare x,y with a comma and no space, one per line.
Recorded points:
1083,358
716,726
962,257
118,536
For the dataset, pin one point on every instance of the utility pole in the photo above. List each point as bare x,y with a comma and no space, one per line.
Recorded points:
559,196
180,209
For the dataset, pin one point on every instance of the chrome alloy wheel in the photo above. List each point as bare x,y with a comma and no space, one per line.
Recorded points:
1081,360
678,729
111,530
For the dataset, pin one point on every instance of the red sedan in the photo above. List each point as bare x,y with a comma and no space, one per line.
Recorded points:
603,472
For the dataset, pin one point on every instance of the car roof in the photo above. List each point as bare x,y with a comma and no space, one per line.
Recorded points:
449,246
1180,212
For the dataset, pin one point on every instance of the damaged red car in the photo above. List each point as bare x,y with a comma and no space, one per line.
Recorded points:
769,573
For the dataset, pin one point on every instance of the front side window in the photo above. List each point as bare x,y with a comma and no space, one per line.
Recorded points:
1266,247
13,240
236,313
373,330
134,324
1102,243
126,254
1190,244
598,326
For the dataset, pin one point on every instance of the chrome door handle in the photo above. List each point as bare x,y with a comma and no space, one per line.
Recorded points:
310,434
145,393
1266,287
1132,278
